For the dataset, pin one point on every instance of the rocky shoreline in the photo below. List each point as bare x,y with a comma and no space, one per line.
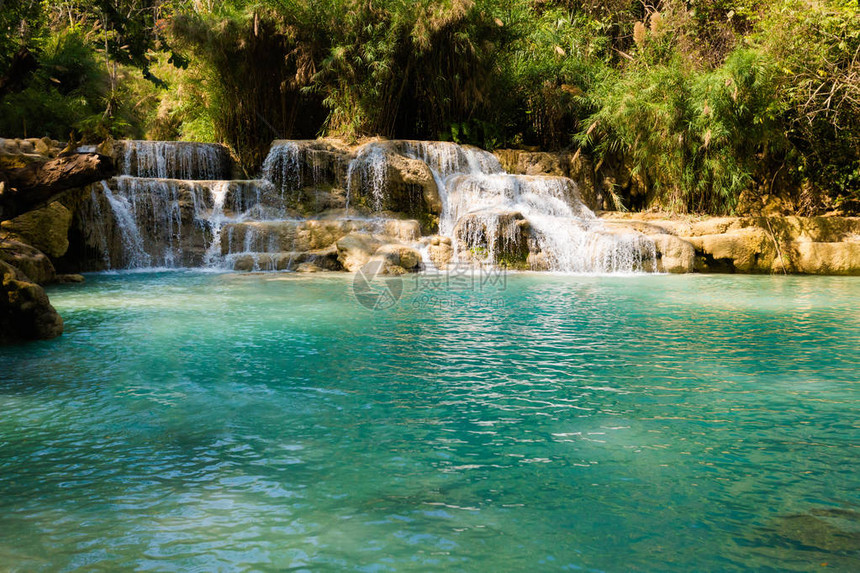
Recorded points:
762,245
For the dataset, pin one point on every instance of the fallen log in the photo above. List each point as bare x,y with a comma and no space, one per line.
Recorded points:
30,187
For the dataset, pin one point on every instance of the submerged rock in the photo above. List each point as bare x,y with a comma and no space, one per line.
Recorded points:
69,279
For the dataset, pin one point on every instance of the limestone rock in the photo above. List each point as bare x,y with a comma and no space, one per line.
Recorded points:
25,312
399,255
408,171
581,171
47,229
747,250
322,259
308,268
31,186
676,255
356,249
538,261
811,245
440,251
310,235
498,237
28,260
827,258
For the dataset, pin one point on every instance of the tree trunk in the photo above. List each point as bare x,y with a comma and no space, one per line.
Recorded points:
30,187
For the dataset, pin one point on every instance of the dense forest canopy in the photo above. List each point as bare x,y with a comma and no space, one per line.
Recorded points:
699,99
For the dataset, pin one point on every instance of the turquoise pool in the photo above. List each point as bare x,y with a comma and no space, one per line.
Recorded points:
199,422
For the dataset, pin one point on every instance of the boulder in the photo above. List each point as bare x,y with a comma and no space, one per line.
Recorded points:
35,184
675,255
356,249
29,261
47,229
25,312
440,251
406,171
400,255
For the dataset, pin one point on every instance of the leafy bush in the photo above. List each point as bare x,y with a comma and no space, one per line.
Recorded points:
699,102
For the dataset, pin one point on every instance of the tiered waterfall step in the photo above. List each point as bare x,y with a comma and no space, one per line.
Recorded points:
173,159
330,244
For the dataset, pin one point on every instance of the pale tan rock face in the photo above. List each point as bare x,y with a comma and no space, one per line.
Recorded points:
403,170
676,255
806,245
400,255
440,251
828,258
355,250
47,228
748,249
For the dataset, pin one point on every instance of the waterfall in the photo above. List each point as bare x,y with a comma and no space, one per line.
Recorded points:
132,240
480,203
173,207
292,165
170,159
370,170
216,220
283,166
446,159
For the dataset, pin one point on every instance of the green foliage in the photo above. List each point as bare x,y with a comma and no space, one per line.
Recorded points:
817,46
64,93
699,137
699,101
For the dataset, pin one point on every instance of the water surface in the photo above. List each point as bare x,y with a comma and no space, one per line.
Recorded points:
193,421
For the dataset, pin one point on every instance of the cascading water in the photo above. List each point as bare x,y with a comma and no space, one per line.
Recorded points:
370,170
219,195
177,220
132,241
172,207
481,205
482,208
179,160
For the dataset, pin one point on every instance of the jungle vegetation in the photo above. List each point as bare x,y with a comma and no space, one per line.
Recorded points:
700,99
